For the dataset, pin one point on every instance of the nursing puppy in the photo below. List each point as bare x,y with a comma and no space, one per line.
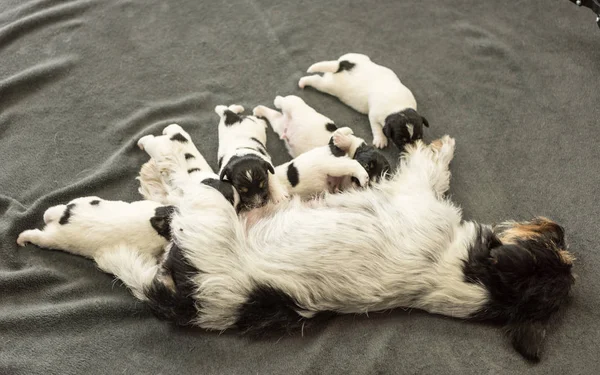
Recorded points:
323,169
175,157
243,158
401,243
374,90
304,129
90,226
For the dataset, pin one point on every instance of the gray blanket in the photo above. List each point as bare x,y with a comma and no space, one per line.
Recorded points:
516,82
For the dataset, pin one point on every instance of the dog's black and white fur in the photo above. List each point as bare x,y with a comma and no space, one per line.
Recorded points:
324,169
400,243
303,129
371,89
243,158
174,156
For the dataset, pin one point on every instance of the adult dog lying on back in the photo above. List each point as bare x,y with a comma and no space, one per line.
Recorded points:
397,244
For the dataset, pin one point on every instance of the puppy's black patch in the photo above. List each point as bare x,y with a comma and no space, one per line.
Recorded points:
170,293
189,156
330,127
64,219
179,138
396,127
95,202
335,150
292,175
161,221
345,65
527,283
254,191
373,161
220,163
192,170
224,187
231,118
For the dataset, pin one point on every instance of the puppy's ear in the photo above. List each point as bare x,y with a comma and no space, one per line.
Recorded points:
387,131
269,166
527,338
226,172
425,122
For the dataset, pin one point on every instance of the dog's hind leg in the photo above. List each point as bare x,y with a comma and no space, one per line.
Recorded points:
323,83
324,67
276,119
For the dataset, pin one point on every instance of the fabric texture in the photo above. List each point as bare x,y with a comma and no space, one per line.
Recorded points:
515,82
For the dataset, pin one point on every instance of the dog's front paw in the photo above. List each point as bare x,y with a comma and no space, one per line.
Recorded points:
445,147
27,237
172,129
380,141
304,81
144,140
236,108
259,111
362,178
341,138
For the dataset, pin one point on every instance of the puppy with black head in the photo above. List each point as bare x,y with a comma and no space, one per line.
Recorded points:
243,158
303,129
371,89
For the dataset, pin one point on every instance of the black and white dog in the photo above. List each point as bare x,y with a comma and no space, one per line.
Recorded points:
400,243
174,156
303,129
374,90
243,158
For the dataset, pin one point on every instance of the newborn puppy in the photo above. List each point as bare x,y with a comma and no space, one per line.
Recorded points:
175,161
374,90
326,168
303,129
243,158
88,226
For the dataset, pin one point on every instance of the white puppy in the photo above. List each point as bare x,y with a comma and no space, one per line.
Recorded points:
243,158
325,168
89,226
303,129
174,156
374,90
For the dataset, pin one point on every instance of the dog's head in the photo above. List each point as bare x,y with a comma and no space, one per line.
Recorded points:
372,161
528,273
249,174
404,127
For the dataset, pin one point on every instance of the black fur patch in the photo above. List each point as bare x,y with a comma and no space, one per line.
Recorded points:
292,175
396,127
373,161
345,65
268,308
335,150
527,283
95,202
330,127
192,170
189,156
220,162
179,138
231,118
176,305
161,221
224,187
64,219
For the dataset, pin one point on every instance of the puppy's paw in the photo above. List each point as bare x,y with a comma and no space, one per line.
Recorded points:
380,141
341,138
304,81
361,178
236,108
279,196
220,110
259,111
54,213
278,102
27,237
446,151
172,129
144,140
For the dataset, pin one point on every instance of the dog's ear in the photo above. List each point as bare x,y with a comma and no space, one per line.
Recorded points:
527,338
387,130
226,172
425,122
269,166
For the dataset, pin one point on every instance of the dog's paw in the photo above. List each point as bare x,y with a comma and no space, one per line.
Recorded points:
236,108
144,140
341,138
220,110
278,102
303,82
279,196
172,129
362,178
380,141
259,111
26,237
